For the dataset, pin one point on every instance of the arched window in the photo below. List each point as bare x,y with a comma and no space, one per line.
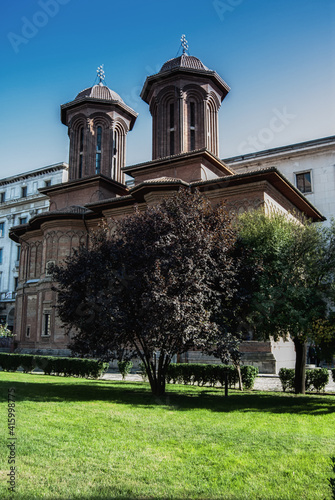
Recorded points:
172,128
81,152
192,125
98,151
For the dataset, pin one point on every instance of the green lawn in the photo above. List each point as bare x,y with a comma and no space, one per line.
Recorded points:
84,439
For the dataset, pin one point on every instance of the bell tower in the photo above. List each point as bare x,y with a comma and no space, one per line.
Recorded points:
184,99
98,122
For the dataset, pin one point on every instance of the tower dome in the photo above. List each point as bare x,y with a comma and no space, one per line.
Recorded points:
99,92
183,61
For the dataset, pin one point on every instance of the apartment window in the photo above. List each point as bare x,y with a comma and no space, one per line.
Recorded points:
24,192
2,197
46,324
304,182
23,220
47,183
98,151
18,252
1,255
2,229
16,282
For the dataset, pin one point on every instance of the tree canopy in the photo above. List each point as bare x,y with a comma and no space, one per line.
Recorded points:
159,282
295,292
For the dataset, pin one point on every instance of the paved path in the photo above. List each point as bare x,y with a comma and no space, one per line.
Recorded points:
262,383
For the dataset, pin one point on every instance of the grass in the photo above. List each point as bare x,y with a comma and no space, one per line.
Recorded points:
85,439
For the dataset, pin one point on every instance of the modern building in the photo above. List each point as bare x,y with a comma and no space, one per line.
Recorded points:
310,166
184,98
20,199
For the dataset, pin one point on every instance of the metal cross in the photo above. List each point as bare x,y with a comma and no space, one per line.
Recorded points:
101,74
184,44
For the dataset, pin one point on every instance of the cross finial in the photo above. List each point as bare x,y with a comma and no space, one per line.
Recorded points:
101,74
184,44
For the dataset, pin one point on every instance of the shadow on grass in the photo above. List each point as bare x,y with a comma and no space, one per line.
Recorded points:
177,398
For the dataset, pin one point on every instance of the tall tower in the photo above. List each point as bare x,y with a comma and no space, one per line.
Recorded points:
184,99
98,122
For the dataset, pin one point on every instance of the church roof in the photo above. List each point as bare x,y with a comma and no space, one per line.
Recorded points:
99,92
183,61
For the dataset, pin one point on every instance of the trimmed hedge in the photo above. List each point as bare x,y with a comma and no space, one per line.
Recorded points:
316,379
202,374
75,367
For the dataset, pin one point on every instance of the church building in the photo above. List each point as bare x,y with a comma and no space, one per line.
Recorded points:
184,99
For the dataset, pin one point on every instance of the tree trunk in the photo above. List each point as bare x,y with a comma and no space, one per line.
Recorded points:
300,365
240,384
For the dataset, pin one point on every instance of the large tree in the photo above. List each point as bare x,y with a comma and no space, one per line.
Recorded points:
296,284
158,283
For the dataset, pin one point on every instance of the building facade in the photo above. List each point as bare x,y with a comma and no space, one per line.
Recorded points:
20,200
184,98
310,166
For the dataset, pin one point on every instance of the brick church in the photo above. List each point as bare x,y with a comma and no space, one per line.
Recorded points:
184,99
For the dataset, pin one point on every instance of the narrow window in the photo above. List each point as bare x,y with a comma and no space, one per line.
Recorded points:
46,324
16,282
24,192
304,183
192,126
47,183
22,220
2,197
171,128
18,252
98,151
1,255
2,229
28,331
81,152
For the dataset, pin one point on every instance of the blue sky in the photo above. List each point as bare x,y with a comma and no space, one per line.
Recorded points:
276,55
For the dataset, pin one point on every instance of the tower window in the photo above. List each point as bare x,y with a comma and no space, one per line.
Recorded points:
98,151
192,126
171,128
81,151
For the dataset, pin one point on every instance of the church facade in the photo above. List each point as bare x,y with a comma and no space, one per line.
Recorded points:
184,99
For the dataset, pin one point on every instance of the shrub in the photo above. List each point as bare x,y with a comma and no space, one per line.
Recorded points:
315,379
124,368
319,378
286,376
333,374
10,362
249,374
54,365
202,374
27,362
